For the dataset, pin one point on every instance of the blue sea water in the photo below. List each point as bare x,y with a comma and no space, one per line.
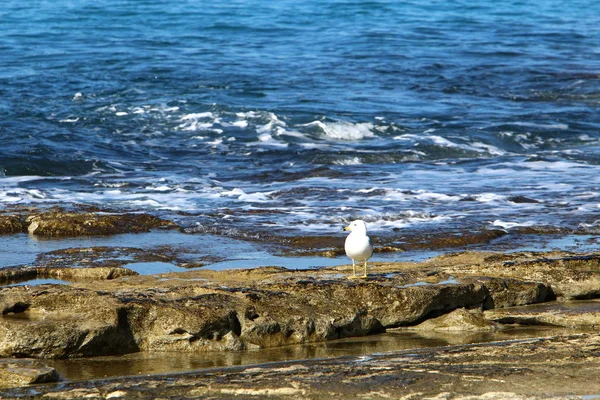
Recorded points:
295,116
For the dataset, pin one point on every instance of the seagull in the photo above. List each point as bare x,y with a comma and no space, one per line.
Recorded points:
358,245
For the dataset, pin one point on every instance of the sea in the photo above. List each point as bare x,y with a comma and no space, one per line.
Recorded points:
246,118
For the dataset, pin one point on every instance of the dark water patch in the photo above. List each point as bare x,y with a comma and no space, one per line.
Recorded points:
522,200
42,165
286,176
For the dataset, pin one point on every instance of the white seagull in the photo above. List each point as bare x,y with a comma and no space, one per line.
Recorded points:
358,245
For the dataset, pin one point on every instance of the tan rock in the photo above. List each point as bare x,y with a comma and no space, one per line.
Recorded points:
22,372
459,320
571,314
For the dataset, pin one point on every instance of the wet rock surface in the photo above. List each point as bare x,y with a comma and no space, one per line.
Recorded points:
116,311
459,320
571,276
63,223
22,372
572,314
148,314
561,367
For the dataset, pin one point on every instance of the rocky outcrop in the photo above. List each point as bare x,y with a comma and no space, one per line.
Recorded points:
54,321
11,224
510,292
58,223
568,275
57,321
61,223
117,312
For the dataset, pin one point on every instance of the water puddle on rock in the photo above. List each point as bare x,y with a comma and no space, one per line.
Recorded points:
33,282
150,363
159,252
450,281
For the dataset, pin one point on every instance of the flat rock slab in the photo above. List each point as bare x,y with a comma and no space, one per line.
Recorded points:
570,314
205,310
558,367
22,372
571,276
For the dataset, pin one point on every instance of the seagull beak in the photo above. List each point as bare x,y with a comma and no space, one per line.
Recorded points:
347,228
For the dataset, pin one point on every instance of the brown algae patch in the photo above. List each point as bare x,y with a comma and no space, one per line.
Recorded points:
57,222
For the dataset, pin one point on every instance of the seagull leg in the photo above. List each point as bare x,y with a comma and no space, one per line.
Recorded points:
365,275
353,276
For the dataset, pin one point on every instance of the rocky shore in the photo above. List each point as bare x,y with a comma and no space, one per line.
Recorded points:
564,367
108,309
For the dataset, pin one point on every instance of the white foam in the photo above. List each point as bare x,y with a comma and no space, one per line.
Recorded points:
349,161
431,196
400,195
162,188
291,133
387,221
69,120
257,197
561,127
314,145
215,142
440,141
508,225
489,197
197,121
344,130
195,116
555,165
240,124
265,137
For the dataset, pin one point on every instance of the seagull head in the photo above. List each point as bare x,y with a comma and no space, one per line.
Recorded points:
357,226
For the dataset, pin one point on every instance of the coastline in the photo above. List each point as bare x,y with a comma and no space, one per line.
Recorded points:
102,308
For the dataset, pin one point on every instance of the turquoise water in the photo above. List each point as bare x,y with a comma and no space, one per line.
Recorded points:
294,117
